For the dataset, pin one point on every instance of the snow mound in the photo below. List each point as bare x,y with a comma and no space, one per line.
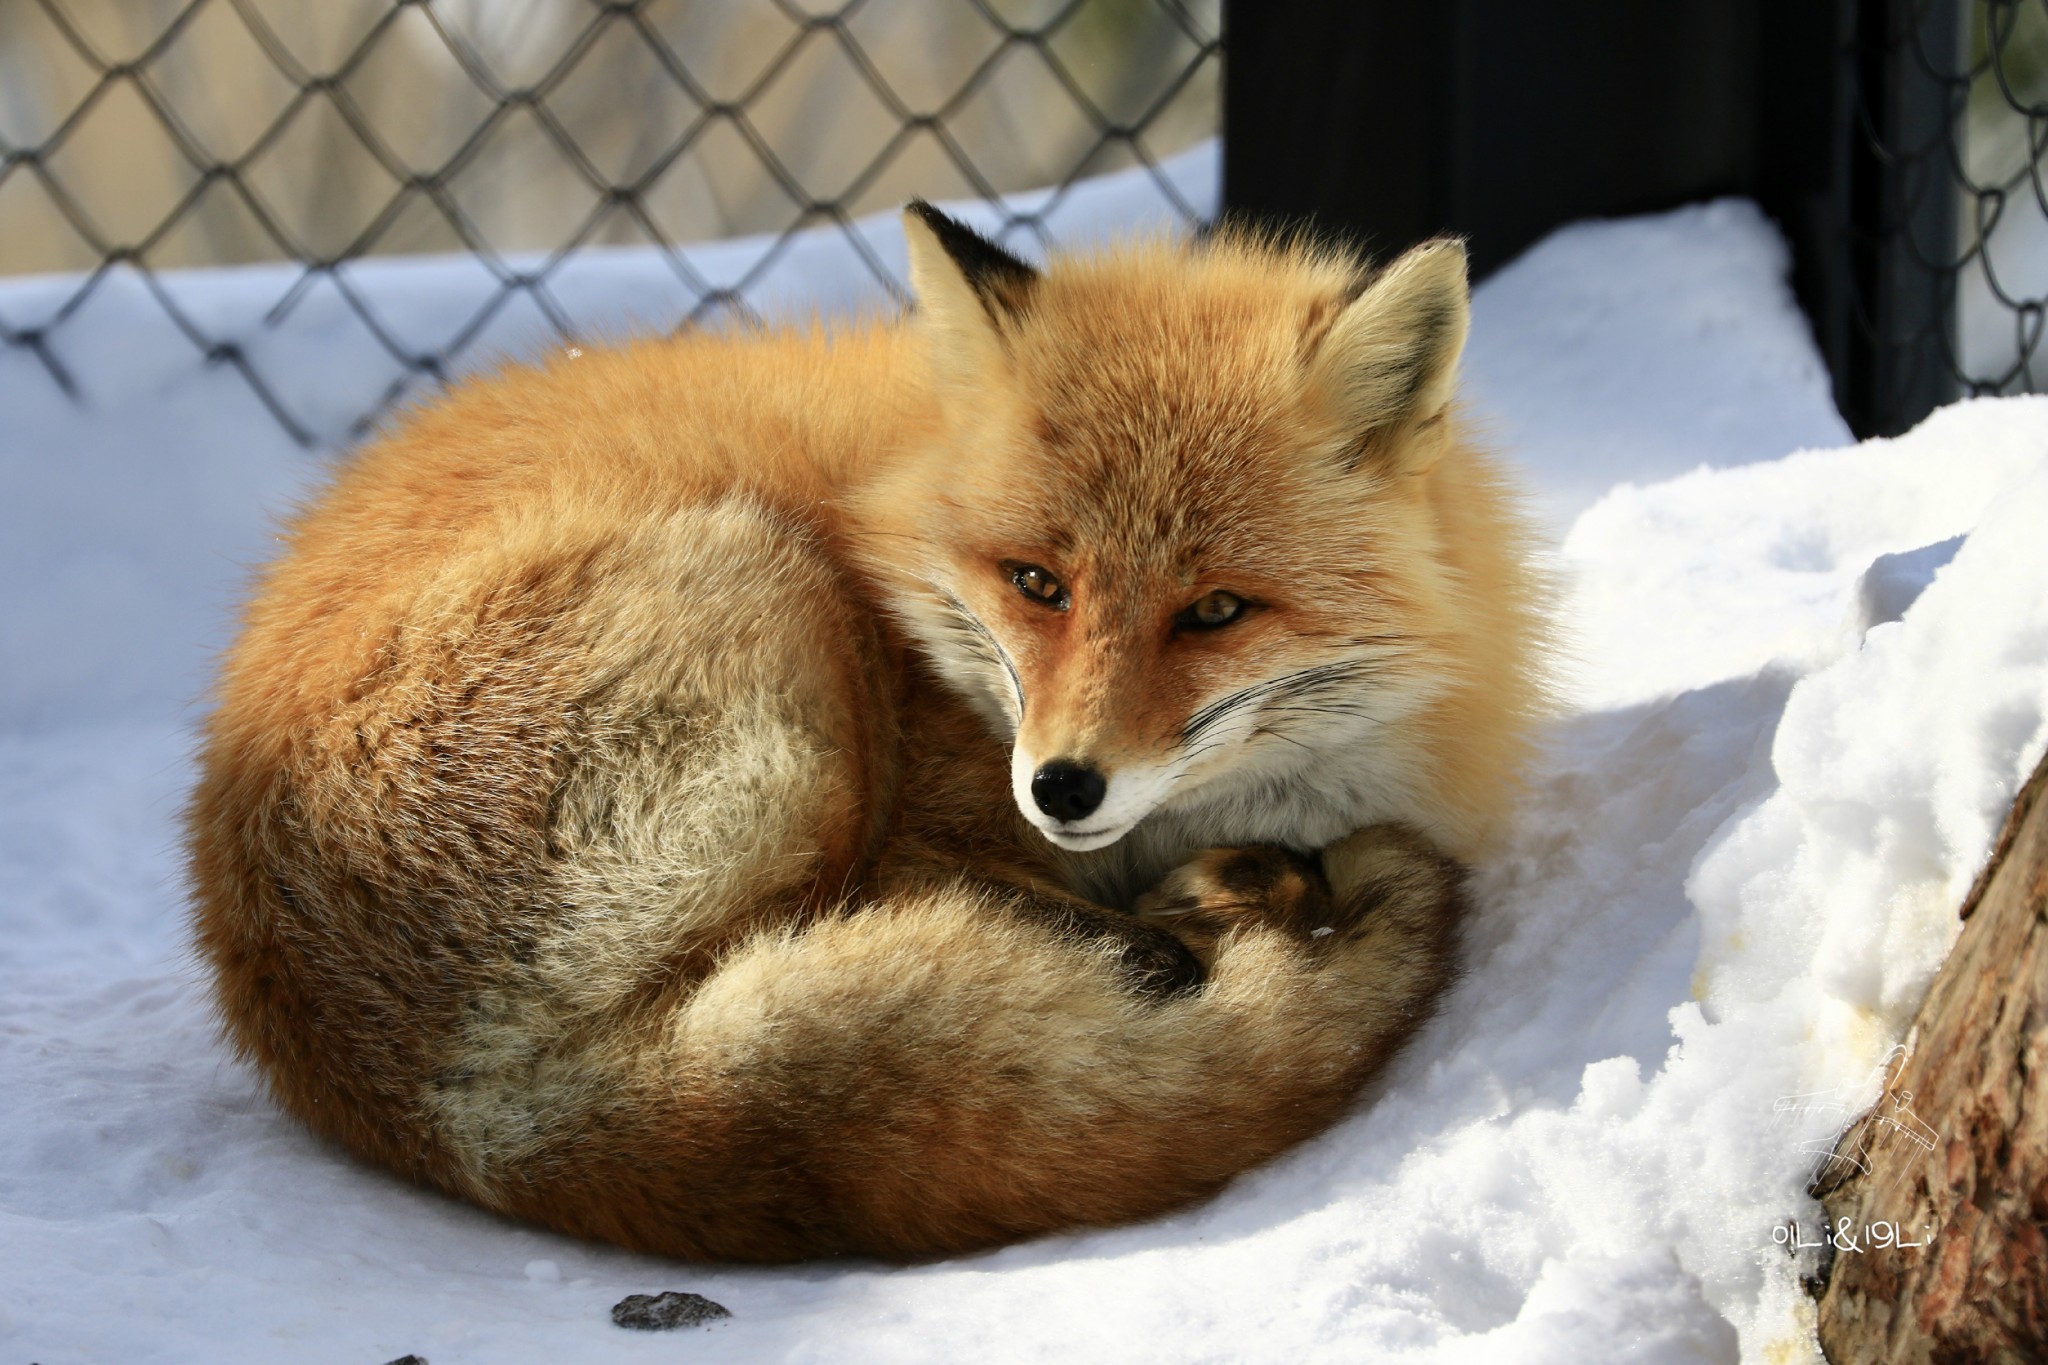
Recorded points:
1638,349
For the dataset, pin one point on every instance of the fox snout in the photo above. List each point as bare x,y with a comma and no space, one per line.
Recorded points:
1082,803
1068,791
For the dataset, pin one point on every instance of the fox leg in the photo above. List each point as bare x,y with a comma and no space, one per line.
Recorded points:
1219,888
1310,898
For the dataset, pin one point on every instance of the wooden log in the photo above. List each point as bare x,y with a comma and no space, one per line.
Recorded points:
1955,1154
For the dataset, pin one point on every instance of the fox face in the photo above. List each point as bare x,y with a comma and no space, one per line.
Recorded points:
1175,537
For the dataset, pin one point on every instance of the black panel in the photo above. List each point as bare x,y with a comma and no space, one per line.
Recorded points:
1397,120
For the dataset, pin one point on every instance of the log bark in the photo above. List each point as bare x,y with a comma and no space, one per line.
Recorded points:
1954,1156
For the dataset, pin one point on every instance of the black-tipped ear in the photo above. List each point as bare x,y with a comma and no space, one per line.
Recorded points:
999,280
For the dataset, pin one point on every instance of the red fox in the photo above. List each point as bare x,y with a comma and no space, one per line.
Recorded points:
889,792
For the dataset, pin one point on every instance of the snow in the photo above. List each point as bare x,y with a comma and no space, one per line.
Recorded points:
1804,687
1643,348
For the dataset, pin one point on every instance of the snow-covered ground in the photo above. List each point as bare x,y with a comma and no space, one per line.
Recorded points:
1804,688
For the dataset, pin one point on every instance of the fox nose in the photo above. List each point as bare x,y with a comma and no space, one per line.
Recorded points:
1066,790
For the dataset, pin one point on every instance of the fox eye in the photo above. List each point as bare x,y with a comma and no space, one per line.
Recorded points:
1216,609
1038,585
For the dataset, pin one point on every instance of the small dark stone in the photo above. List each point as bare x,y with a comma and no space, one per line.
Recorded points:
1816,1283
408,1359
666,1312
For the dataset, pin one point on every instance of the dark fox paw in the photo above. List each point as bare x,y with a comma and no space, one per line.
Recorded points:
1151,960
1160,966
1221,888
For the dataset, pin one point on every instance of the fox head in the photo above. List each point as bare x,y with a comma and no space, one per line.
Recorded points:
1177,535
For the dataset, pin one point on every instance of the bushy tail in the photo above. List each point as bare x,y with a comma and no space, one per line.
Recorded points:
936,1075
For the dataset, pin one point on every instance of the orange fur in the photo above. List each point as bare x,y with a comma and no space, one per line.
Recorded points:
618,809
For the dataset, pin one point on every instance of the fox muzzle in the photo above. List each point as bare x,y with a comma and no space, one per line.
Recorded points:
1068,791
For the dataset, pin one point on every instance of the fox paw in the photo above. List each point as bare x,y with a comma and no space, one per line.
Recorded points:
1220,888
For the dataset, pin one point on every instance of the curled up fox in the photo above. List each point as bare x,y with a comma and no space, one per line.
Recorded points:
891,791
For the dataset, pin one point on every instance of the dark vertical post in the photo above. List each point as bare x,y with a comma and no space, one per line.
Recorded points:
1500,120
1343,112
1806,111
1896,362
1496,119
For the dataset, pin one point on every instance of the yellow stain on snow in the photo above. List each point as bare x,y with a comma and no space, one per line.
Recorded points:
1734,943
1856,1034
1799,1343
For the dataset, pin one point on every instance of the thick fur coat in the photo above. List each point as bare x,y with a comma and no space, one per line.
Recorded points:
893,791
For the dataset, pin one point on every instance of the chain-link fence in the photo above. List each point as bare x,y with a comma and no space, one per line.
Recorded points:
530,138
2004,260
138,137
1948,232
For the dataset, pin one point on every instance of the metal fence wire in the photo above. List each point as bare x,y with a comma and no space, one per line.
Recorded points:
147,135
138,137
1950,235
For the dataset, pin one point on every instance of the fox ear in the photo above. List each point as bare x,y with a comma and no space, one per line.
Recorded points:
969,290
1389,360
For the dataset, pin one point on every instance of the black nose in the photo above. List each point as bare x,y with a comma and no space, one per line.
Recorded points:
1067,791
